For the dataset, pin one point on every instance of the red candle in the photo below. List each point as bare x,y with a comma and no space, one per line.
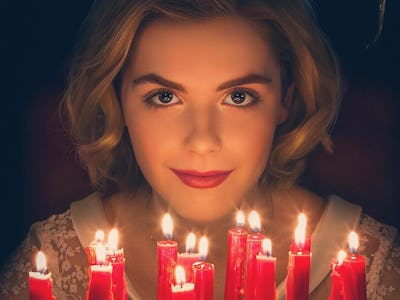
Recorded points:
91,248
253,248
40,282
237,239
166,257
355,268
203,273
338,277
265,277
187,259
298,278
182,290
100,277
116,257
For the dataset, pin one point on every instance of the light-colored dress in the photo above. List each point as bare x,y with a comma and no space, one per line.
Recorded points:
63,237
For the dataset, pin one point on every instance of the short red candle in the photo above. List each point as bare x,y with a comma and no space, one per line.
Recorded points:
253,248
298,277
355,268
187,259
182,290
237,239
338,275
91,248
265,276
40,283
166,258
100,277
203,273
116,257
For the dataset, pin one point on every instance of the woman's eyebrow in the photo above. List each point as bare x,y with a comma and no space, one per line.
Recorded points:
246,79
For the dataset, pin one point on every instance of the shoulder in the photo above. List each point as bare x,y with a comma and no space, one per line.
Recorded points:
380,245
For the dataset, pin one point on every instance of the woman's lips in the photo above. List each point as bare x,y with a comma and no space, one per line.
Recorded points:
201,180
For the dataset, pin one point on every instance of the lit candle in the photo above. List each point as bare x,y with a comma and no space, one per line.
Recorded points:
166,257
355,266
301,225
338,277
298,277
100,277
203,273
91,248
182,290
237,238
116,257
187,259
265,278
40,282
254,241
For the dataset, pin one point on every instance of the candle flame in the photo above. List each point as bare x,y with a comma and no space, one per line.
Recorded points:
203,248
302,220
340,257
180,276
240,219
254,220
100,254
300,236
112,241
167,226
190,242
353,242
99,236
41,263
267,247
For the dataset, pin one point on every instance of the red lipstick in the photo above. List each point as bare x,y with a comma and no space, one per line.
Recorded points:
201,180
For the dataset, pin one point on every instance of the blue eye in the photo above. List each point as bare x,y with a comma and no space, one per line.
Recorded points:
241,97
162,98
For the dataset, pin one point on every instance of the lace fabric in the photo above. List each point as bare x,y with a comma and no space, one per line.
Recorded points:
67,261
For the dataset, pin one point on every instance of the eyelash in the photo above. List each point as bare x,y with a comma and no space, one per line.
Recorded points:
253,94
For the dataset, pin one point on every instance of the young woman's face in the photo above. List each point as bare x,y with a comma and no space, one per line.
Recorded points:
201,101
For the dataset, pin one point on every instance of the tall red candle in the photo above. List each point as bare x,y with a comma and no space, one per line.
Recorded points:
91,248
265,276
338,278
167,251
298,277
116,257
100,277
203,273
355,268
237,239
253,247
182,290
40,282
187,259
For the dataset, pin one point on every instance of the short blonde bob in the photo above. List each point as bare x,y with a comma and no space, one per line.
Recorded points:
93,109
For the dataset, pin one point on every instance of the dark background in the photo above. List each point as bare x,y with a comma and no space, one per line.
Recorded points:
40,174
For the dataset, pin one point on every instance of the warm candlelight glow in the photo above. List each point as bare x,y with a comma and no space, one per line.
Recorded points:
41,264
99,236
167,226
340,257
112,241
254,220
300,235
240,219
100,254
353,242
180,277
302,220
267,247
190,242
203,248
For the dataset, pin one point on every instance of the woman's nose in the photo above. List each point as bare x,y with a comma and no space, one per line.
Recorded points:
202,134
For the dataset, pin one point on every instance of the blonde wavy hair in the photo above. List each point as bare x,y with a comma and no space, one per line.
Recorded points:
91,102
